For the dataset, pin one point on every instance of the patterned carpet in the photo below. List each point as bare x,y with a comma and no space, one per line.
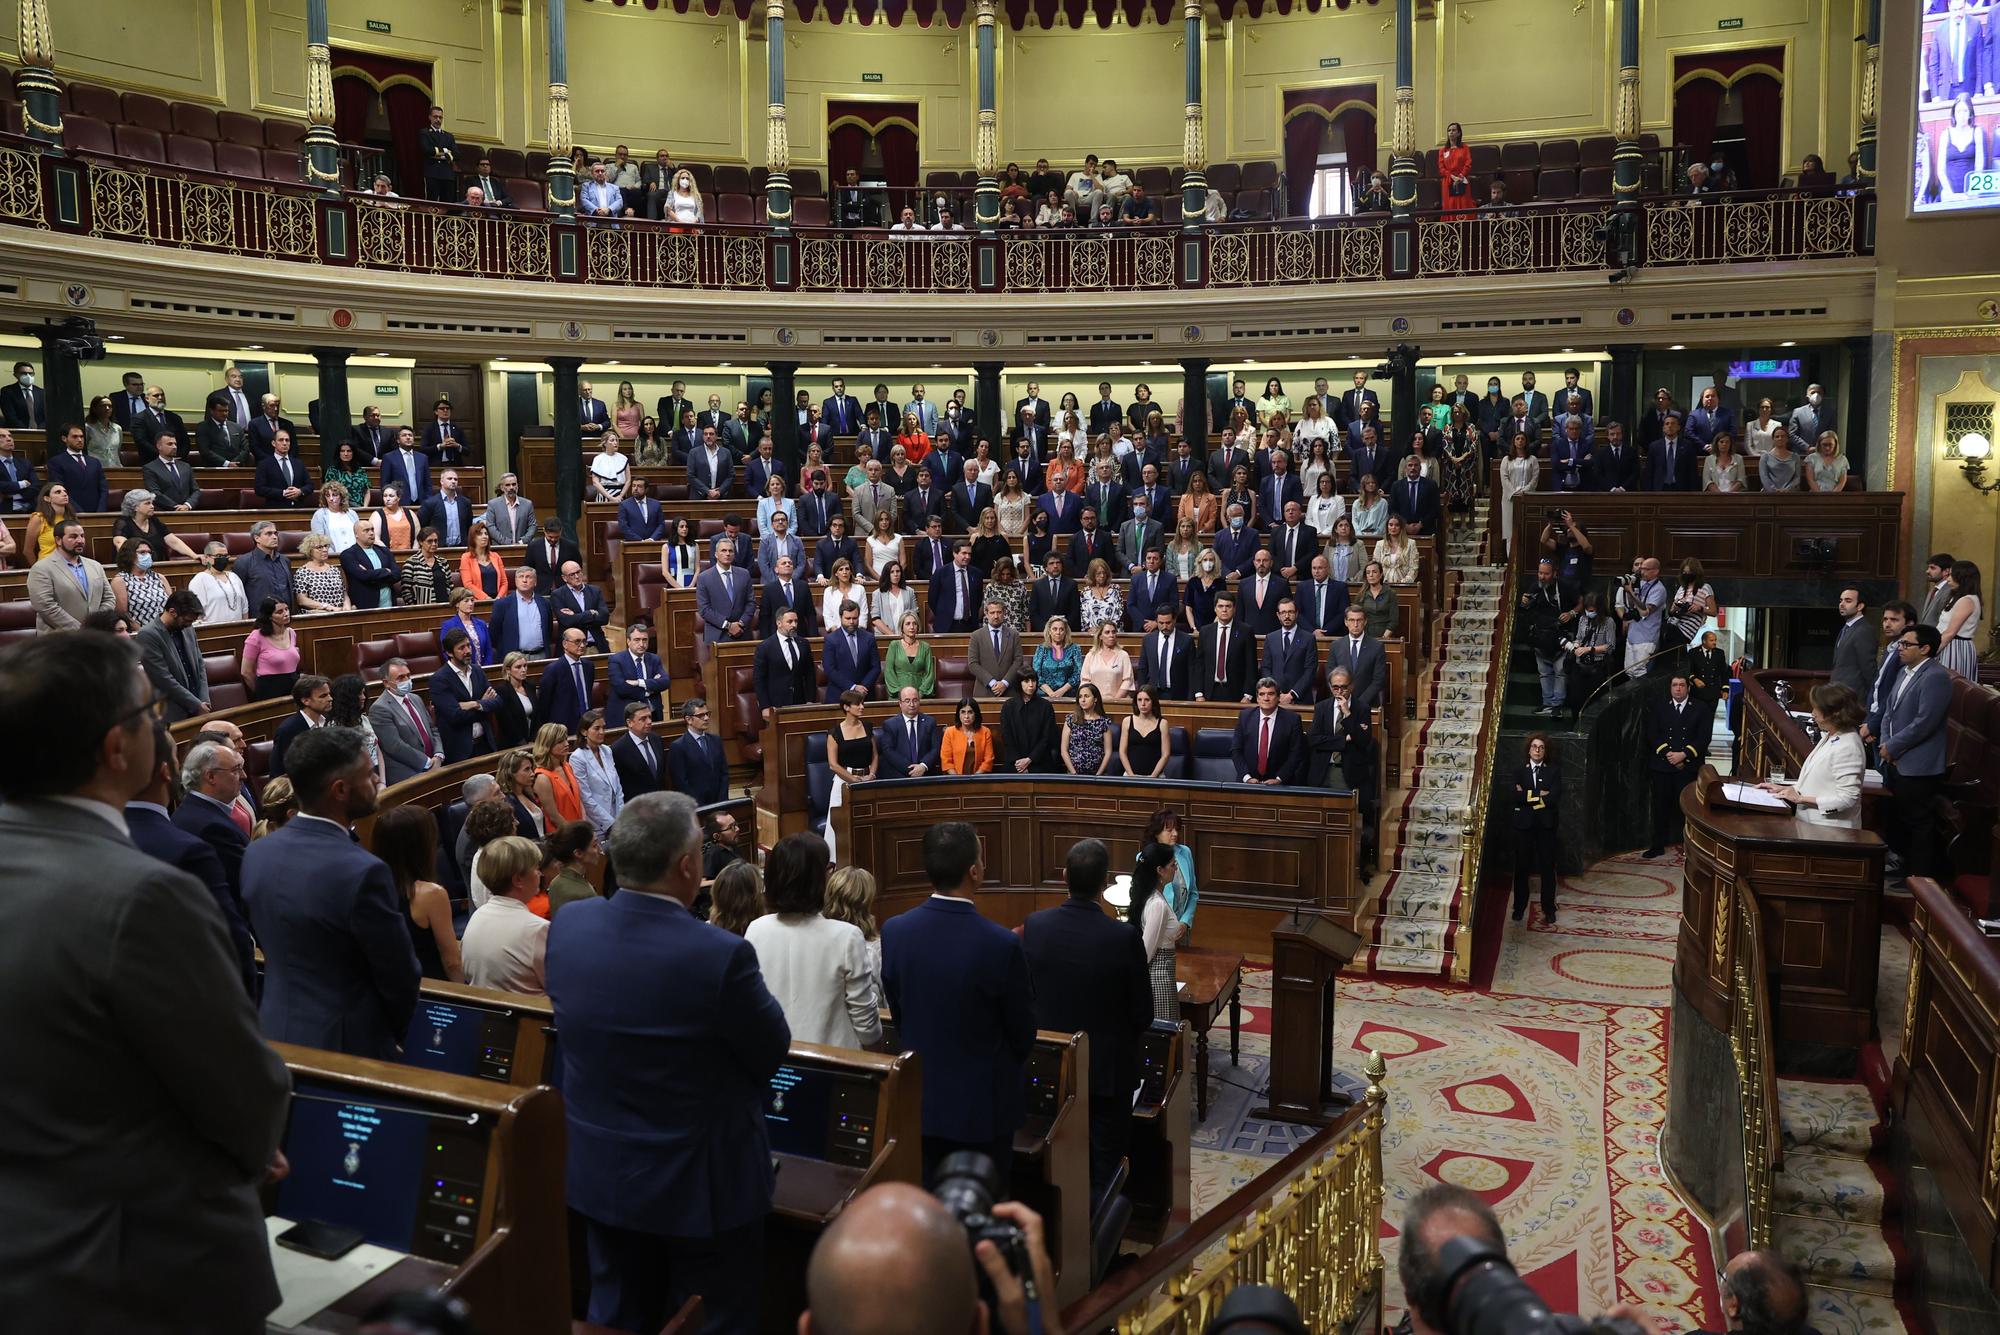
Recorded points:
1545,1094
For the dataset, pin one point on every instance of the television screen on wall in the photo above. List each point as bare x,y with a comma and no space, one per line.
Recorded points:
1958,111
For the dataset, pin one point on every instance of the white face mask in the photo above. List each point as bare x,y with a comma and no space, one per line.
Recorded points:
1813,398
26,379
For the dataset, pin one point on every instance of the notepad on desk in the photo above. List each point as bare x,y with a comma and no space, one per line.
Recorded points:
1751,796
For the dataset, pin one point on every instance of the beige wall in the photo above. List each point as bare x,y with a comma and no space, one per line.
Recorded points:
651,79
1132,81
933,67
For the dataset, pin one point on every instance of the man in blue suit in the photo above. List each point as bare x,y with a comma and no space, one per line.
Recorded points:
1675,464
908,743
696,761
565,690
955,593
80,472
640,518
669,1043
1898,615
841,410
849,656
785,592
1415,498
339,970
282,481
158,837
958,987
1291,655
637,675
711,468
1236,543
450,512
1152,585
1064,509
462,700
1269,746
522,619
407,467
722,597
1913,748
580,605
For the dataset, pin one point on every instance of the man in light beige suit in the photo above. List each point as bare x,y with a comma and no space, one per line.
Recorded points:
66,586
993,653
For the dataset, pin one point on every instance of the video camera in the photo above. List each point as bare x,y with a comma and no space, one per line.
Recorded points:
74,336
1484,1296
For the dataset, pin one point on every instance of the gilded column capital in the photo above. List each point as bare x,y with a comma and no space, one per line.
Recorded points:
1194,140
986,144
1625,114
319,84
774,11
1403,131
37,47
1871,85
988,11
559,134
777,139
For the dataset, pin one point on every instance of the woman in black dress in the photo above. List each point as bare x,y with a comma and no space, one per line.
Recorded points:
1039,539
406,837
989,545
514,715
1537,796
850,754
1143,744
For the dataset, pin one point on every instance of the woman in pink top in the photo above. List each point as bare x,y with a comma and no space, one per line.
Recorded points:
271,653
626,416
1108,667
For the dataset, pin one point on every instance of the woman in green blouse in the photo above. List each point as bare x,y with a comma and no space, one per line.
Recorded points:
1378,600
351,476
908,662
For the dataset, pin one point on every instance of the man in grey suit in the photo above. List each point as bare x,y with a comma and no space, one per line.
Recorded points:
1854,649
722,597
339,970
172,659
510,516
870,496
1913,749
1361,654
409,737
66,586
993,652
1809,419
145,1107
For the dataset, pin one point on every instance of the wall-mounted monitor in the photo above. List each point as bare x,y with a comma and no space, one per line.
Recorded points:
1958,109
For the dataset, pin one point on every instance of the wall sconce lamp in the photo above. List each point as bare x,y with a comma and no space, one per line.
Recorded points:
1974,448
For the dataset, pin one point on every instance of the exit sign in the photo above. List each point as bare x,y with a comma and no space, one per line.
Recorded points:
385,391
1329,62
871,76
1728,25
378,25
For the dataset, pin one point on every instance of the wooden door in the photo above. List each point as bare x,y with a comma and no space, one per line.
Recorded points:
459,384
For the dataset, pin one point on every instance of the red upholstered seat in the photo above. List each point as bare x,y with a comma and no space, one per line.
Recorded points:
760,175
1596,151
237,128
87,134
809,211
17,621
370,655
1593,182
132,142
704,176
192,118
148,112
1259,175
1557,183
283,164
225,681
187,151
1226,177
1520,155
1521,186
1429,193
732,180
806,183
1485,158
97,102
506,161
284,134
537,162
1559,153
735,210
239,160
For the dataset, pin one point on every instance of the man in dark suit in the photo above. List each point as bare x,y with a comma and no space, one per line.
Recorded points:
368,437
439,149
212,811
234,397
955,593
1572,389
449,511
1179,469
1614,464
1223,462
1676,738
1361,654
1322,600
1569,456
1343,749
566,682
1034,431
637,675
1351,401
339,970
1105,411
408,737
1278,490
786,592
1064,509
782,668
1291,656
1675,464
462,700
444,440
1898,615
686,438
1269,745
522,619
80,472
166,475
1165,657
762,466
743,434
492,193
817,508
1914,749
1054,594
876,435
1854,648
580,606
313,696
669,1043
1537,404
1258,595
406,467
548,554
145,1107
1415,499
958,987
675,401
265,426
1032,402
1223,656
1294,543
714,415
639,758
19,486
923,501
849,655
695,760
282,481
1238,398
711,468
722,597
1092,541
156,835
969,497
370,569
172,658
841,410
23,403
1151,585
1088,972
154,420
1236,544
909,742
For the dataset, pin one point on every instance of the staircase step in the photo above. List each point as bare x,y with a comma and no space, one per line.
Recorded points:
1827,1186
1396,959
1439,861
1836,1254
1832,1311
1837,1119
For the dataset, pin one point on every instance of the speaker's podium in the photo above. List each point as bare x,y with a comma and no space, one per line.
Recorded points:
1306,956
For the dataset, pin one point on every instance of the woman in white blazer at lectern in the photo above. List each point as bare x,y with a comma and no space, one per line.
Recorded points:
1828,789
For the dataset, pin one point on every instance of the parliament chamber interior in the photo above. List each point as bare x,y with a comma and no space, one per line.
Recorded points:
877,667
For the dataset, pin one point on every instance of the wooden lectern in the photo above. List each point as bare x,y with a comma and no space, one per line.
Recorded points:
1306,955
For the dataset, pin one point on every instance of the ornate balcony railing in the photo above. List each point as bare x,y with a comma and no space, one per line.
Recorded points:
128,200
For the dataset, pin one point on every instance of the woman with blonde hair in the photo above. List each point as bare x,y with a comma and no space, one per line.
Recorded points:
1397,553
517,779
609,469
914,440
275,807
335,518
1184,549
1198,503
505,941
736,899
850,898
683,203
1065,472
320,585
1058,663
1107,666
626,414
908,661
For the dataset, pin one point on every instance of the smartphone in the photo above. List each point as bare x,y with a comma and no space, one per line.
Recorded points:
315,1237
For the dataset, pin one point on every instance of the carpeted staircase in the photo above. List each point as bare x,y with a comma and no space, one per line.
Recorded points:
1829,1205
1425,843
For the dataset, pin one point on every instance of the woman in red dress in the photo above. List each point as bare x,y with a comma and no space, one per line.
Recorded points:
1455,172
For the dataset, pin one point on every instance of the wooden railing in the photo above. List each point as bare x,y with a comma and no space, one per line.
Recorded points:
131,200
1756,1070
1310,1224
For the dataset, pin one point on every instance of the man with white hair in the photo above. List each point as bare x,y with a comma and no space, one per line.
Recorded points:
212,781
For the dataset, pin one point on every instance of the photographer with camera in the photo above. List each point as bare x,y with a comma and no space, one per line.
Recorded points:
1640,608
900,1261
1567,543
1588,649
1547,609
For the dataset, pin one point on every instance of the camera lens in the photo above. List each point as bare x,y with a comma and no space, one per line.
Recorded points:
968,1184
1487,1297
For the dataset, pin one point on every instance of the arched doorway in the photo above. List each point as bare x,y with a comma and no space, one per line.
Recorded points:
878,140
1329,137
1732,103
383,103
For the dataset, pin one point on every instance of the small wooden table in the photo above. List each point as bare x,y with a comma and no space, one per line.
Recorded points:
1209,979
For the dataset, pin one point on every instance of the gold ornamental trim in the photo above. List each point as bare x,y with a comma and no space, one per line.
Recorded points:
36,46
777,139
1871,84
319,84
559,133
1194,139
1403,127
1625,120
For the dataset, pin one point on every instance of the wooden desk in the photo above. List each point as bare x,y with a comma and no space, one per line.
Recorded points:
1051,1168
1163,1123
1210,980
504,1037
